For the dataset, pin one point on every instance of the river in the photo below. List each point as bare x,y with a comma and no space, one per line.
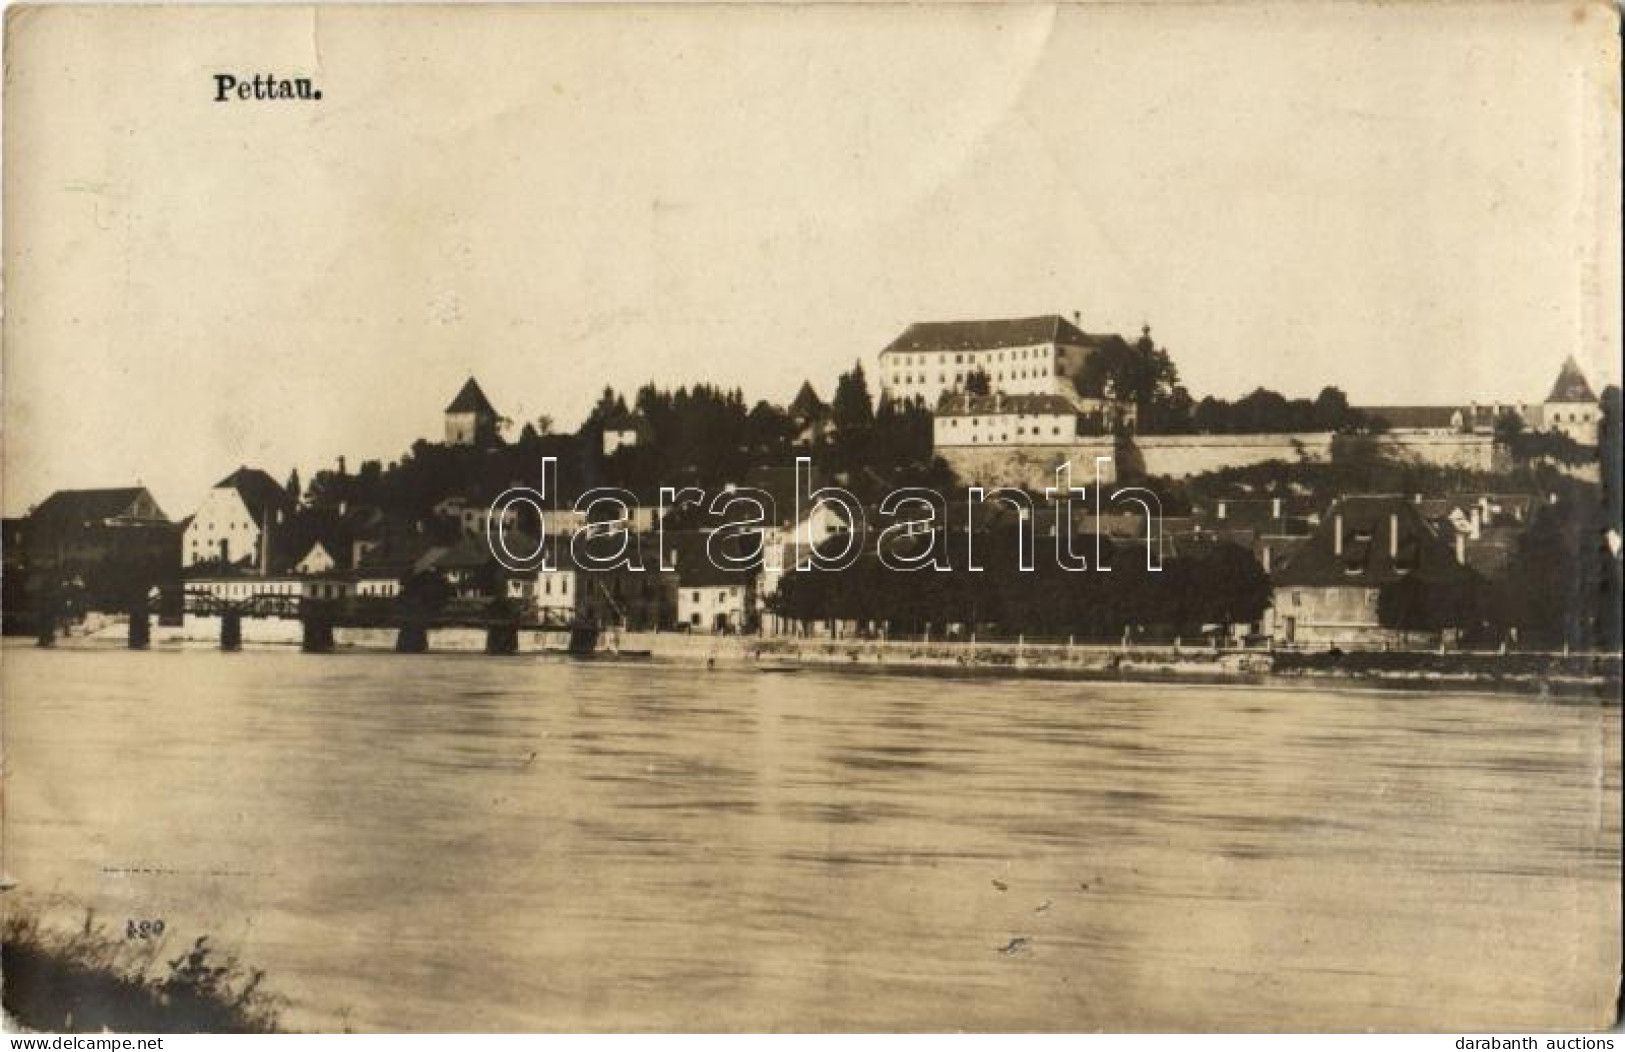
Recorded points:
444,842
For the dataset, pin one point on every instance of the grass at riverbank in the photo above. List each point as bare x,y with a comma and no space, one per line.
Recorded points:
90,980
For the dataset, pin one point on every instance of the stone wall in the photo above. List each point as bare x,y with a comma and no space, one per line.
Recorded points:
1179,456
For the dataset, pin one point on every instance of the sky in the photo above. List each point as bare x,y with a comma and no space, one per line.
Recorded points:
1417,204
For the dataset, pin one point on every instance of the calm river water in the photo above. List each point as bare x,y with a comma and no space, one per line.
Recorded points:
467,843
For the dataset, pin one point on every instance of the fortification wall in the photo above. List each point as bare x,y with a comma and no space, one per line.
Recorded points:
1179,456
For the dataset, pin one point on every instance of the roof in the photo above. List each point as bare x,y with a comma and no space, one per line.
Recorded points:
68,508
695,567
259,491
958,404
1366,559
1414,416
1571,384
401,552
806,404
998,332
472,553
471,400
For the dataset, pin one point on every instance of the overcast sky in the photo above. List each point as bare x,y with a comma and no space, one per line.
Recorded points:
1412,203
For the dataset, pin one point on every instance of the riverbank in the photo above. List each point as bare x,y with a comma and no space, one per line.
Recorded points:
1595,675
90,979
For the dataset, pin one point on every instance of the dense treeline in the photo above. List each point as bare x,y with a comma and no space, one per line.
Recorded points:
702,435
1145,374
1221,586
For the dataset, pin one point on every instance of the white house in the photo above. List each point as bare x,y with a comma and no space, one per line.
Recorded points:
229,525
1004,420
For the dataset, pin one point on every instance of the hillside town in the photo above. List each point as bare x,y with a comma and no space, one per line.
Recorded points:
1282,522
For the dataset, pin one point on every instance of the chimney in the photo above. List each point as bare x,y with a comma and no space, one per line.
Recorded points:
343,506
1221,512
1477,523
1077,318
1275,508
1461,548
1266,558
1337,534
341,464
1416,498
265,544
1393,536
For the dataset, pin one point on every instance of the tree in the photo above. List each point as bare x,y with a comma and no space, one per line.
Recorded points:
295,491
1332,411
1230,587
1414,604
978,382
1141,372
852,406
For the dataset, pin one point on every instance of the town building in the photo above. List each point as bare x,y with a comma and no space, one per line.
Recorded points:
230,524
1329,591
814,421
393,558
470,418
111,544
79,527
263,595
1472,418
713,598
622,429
1570,409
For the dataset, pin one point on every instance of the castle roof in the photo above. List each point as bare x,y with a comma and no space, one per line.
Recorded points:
471,400
1571,384
997,332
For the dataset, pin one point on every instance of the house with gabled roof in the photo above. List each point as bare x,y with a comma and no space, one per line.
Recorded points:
813,419
230,524
1329,590
109,538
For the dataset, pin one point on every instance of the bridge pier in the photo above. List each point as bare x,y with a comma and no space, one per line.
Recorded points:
412,639
140,628
318,637
583,639
231,630
45,635
502,639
